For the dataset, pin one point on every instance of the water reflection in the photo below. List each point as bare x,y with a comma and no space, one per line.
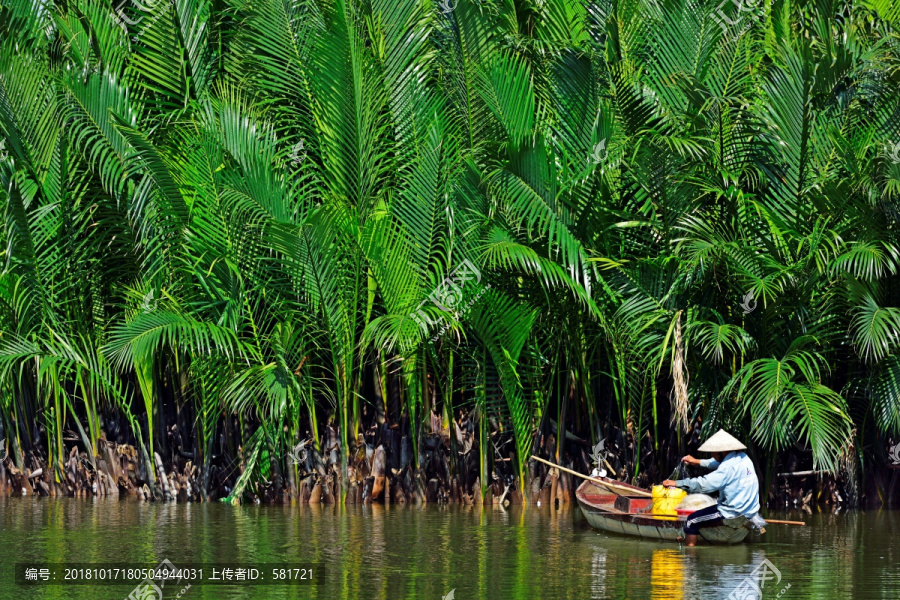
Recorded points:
667,575
598,574
399,552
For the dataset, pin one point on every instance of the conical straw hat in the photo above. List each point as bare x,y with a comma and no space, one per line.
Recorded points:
722,441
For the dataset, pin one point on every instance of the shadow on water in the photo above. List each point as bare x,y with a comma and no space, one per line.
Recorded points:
390,552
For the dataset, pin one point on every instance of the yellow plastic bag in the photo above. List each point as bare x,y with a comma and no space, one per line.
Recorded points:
666,499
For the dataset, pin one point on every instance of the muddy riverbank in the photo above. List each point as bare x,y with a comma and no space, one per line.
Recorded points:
380,471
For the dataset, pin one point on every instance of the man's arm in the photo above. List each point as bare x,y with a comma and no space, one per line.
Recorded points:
709,463
707,484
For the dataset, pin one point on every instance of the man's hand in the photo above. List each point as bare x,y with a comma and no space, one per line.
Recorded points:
669,483
690,460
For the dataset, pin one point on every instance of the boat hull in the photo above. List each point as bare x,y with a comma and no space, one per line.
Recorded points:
598,509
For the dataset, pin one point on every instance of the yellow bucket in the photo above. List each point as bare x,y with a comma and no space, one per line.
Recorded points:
666,499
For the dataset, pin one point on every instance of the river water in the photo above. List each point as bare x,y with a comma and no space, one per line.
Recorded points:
398,552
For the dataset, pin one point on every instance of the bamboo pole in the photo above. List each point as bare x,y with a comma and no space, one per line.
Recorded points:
630,491
803,473
674,518
778,522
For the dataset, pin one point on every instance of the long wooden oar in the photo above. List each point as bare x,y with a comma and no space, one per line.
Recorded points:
621,488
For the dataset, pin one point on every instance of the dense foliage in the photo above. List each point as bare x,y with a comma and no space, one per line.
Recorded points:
648,215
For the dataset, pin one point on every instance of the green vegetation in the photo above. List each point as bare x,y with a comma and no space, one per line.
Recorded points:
240,212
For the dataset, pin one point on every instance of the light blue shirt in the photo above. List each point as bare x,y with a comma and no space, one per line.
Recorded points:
735,480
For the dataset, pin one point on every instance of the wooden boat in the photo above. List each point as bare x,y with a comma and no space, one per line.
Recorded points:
620,513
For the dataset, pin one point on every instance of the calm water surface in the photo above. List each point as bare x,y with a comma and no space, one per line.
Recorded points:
391,553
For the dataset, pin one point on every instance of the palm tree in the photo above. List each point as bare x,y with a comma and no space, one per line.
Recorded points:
244,213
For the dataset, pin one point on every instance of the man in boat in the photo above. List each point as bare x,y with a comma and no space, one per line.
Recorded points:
734,478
